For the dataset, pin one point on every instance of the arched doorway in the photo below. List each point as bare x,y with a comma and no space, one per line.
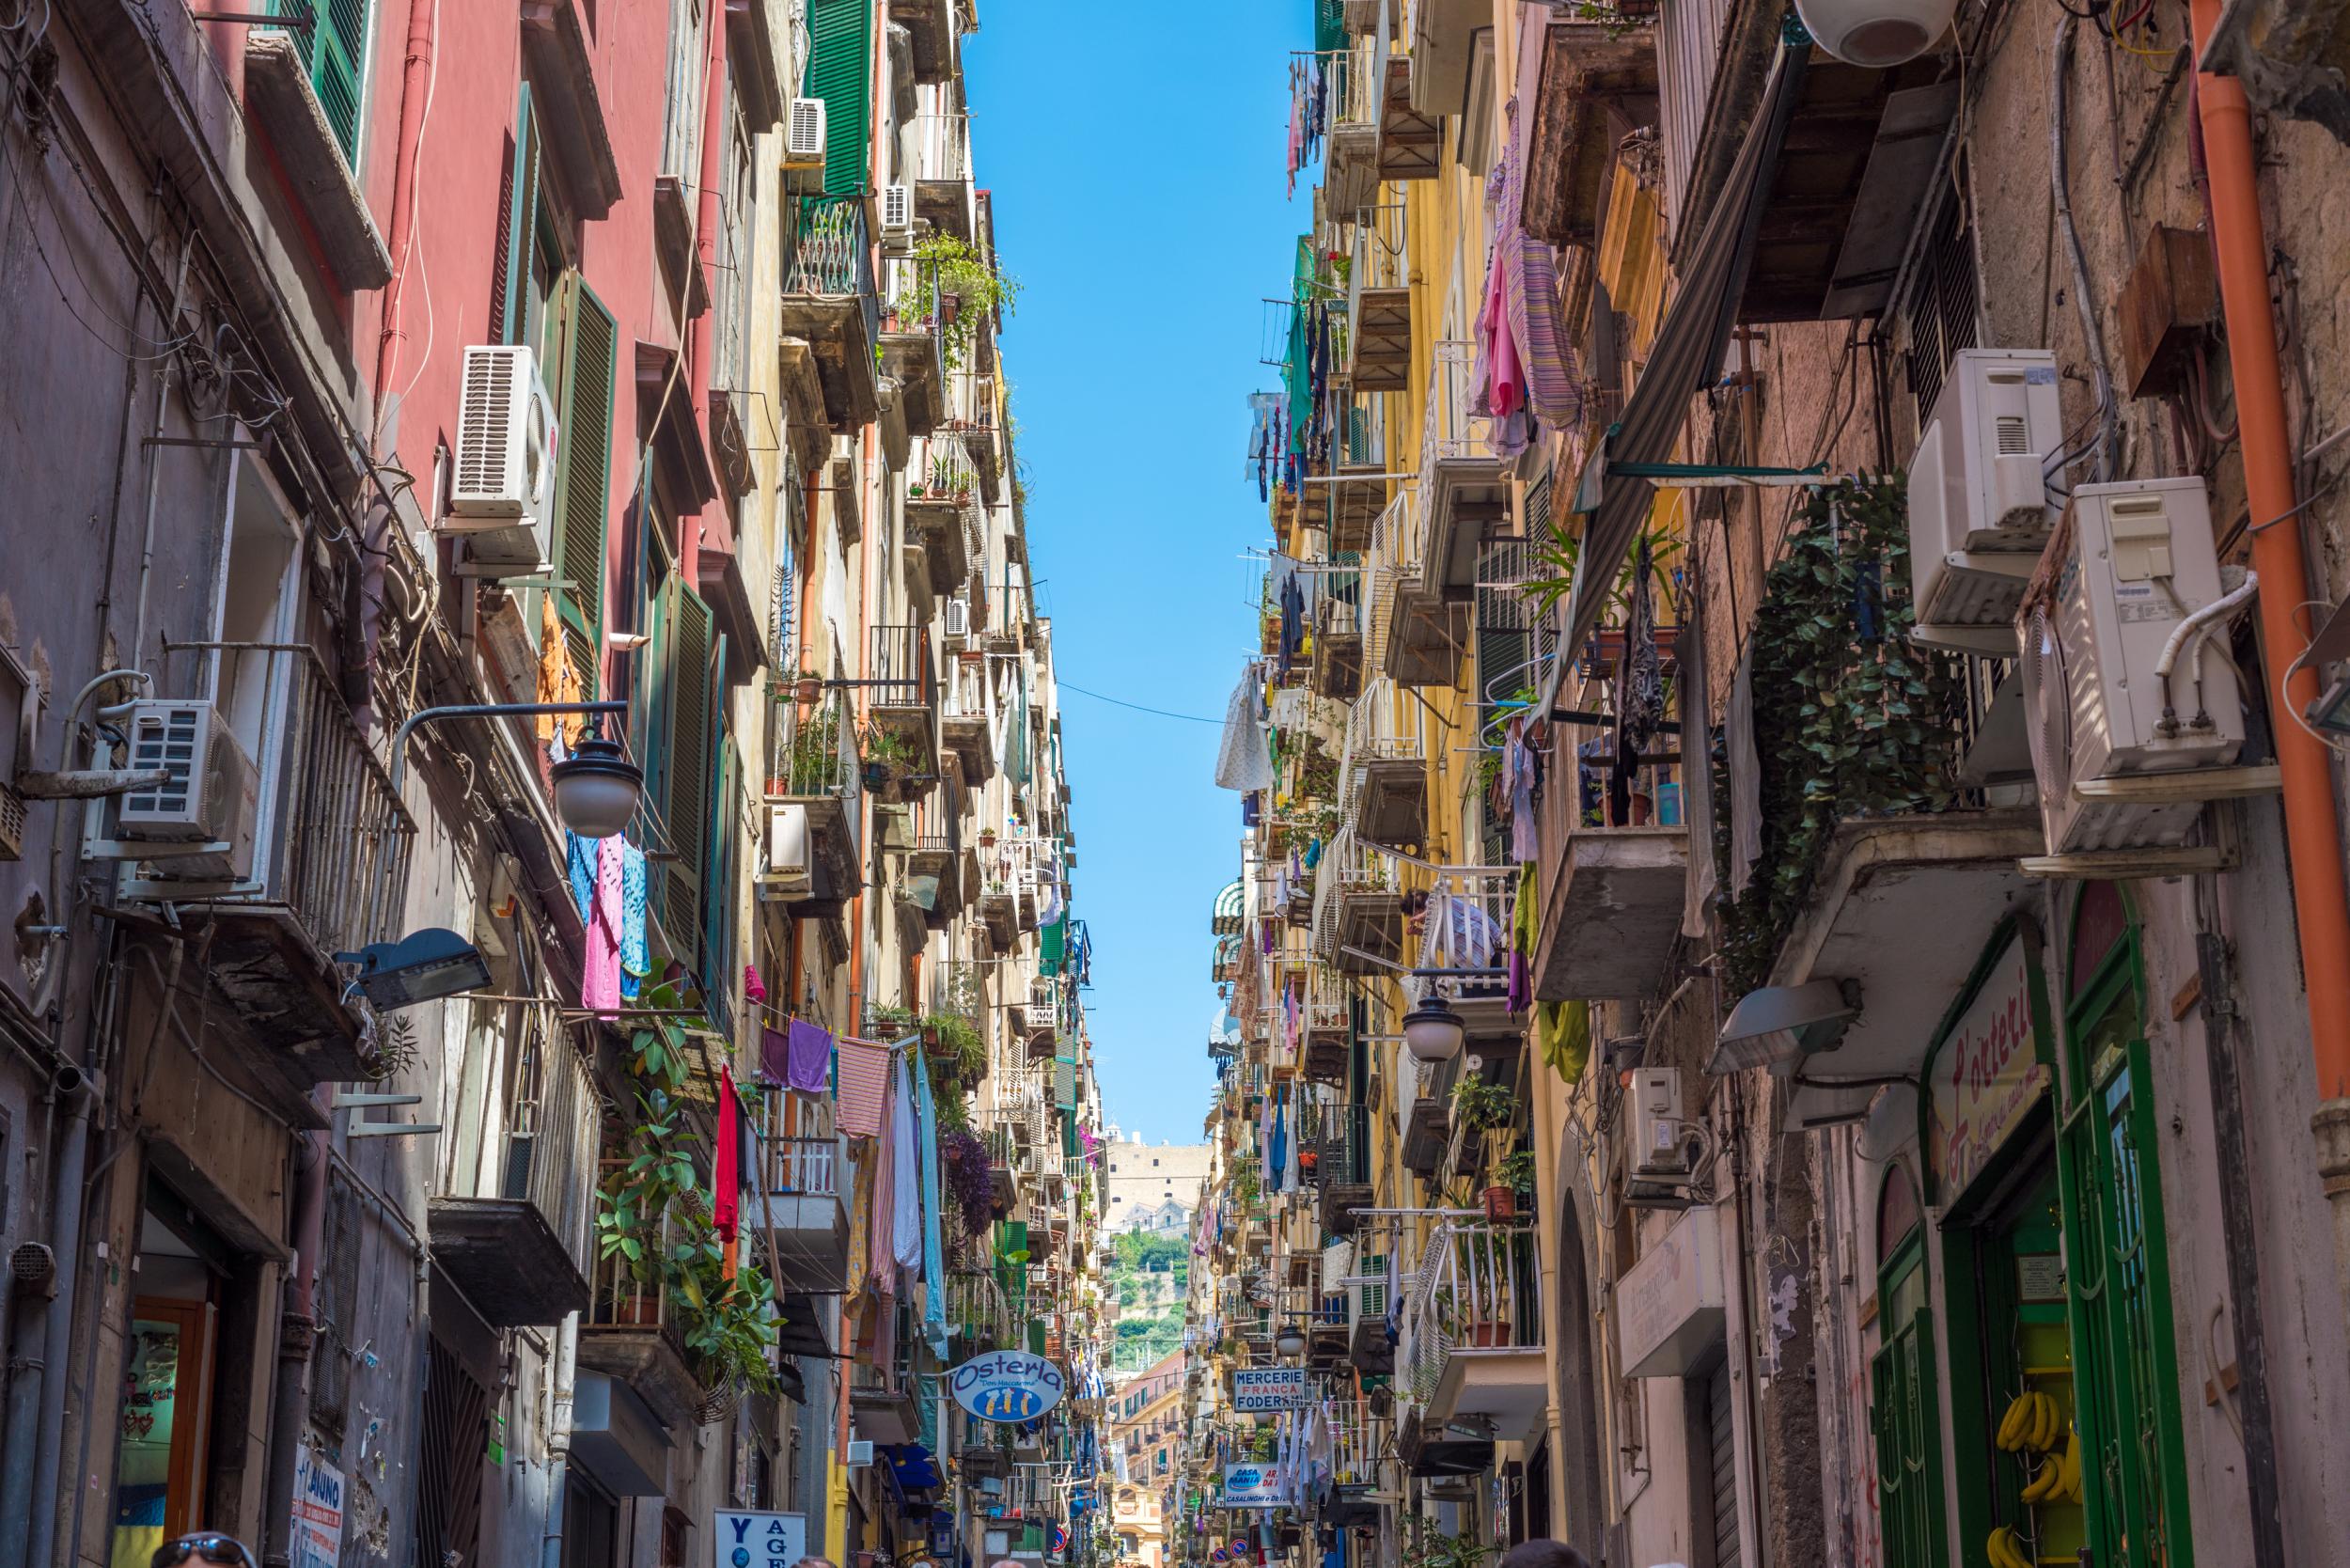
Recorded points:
1582,1480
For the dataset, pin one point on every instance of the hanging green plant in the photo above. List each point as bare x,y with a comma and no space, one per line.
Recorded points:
943,266
1481,1105
1851,719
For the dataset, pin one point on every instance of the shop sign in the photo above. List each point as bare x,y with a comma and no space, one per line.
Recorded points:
1007,1386
760,1540
1986,1077
318,1511
1252,1486
1670,1304
1269,1388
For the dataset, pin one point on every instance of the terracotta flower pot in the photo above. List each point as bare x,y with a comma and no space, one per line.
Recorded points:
1500,1203
807,688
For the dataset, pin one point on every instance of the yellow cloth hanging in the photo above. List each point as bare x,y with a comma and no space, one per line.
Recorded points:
558,678
1562,1033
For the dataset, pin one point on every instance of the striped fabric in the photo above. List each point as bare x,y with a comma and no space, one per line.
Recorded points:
1529,281
864,1078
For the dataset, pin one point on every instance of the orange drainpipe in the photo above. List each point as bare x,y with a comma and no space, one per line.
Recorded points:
2312,827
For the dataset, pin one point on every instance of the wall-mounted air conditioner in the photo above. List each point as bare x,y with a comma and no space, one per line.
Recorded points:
789,870
2138,560
958,619
804,147
897,220
212,795
1979,514
1656,1139
501,491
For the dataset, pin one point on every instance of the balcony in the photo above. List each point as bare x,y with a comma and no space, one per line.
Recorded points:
934,870
324,870
1384,789
1467,494
1338,1138
1359,907
812,789
1411,141
904,693
942,185
966,728
799,1210
1612,911
1325,1034
630,1333
307,146
1442,37
1420,636
1472,1339
1348,499
1378,357
1428,1124
515,1233
978,1314
1598,81
942,513
930,24
1348,123
1463,937
1337,638
830,301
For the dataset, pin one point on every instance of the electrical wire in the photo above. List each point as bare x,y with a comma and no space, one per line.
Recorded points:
1121,702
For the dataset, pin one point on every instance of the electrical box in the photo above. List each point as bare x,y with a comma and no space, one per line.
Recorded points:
2167,309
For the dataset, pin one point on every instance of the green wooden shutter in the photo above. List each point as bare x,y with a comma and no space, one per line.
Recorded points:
718,863
583,493
686,809
518,222
337,45
839,71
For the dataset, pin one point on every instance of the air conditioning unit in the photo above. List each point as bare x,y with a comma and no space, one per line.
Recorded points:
500,493
958,619
213,796
789,870
804,147
859,1454
2138,558
897,219
1655,1134
1979,514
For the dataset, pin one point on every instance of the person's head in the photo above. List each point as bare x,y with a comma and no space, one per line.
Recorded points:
815,1563
1545,1553
1416,902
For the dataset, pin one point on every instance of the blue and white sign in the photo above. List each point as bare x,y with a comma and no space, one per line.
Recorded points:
760,1540
1007,1386
318,1511
1260,1388
1252,1486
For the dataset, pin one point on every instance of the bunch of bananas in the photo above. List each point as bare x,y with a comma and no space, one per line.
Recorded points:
2006,1550
2032,1421
2060,1479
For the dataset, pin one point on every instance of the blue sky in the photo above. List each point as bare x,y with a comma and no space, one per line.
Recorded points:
1140,201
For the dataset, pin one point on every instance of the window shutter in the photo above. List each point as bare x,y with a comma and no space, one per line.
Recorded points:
686,809
718,862
518,222
584,381
338,48
840,66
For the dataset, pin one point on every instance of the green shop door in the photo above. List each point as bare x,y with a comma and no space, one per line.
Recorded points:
1902,1405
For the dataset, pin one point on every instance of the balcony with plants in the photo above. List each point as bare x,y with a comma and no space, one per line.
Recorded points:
1880,828
941,156
1472,1343
662,1315
814,786
901,749
942,510
831,302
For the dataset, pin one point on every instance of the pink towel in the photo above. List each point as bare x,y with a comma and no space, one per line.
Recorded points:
863,1078
599,963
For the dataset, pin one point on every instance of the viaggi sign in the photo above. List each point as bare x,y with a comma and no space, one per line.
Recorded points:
1007,1386
760,1540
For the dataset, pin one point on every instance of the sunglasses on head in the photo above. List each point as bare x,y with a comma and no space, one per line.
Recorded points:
203,1547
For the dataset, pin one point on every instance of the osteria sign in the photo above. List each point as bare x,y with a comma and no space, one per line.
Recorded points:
1988,1075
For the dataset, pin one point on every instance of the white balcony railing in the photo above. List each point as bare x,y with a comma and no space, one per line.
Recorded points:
1465,1295
1451,427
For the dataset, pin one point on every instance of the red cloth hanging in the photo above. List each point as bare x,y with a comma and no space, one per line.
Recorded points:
726,1198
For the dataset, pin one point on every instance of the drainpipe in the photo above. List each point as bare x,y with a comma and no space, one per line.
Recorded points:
2312,827
705,327
416,76
46,1334
559,1439
297,1334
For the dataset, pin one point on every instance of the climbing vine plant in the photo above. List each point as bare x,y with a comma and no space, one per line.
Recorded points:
1851,719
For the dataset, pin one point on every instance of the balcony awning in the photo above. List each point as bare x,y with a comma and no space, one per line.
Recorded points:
1689,350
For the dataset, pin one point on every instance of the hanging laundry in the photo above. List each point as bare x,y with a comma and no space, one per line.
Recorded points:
808,1064
726,1168
1242,760
934,1247
774,1058
579,862
864,1074
599,962
754,989
636,955
1524,933
906,1181
559,680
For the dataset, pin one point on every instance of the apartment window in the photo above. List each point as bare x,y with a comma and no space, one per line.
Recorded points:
689,53
1940,297
737,184
333,35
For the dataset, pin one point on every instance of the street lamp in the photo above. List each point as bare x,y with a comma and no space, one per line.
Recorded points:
596,788
1432,1031
1291,1341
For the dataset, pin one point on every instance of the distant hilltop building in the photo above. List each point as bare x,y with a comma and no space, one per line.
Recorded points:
1154,1187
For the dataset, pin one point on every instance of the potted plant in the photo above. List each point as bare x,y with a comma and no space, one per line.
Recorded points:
1480,1106
1512,1186
807,687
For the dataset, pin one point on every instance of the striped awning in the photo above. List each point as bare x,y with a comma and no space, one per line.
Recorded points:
1688,352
